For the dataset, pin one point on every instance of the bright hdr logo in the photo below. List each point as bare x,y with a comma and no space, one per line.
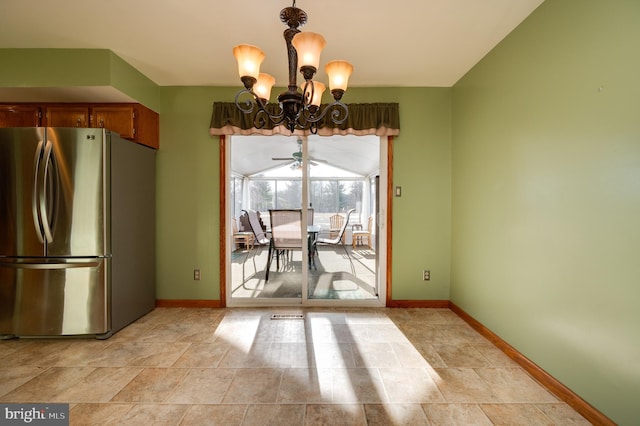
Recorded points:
38,414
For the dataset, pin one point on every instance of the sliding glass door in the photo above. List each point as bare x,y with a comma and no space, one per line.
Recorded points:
345,256
334,184
269,181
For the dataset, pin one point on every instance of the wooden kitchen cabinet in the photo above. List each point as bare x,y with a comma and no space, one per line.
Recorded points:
66,116
131,121
147,124
119,119
22,115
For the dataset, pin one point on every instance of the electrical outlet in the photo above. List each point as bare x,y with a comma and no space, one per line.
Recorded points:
426,275
196,274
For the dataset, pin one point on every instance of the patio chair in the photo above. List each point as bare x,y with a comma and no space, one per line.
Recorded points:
286,234
254,222
357,235
339,237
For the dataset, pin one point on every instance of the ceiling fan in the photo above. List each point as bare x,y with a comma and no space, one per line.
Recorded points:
296,157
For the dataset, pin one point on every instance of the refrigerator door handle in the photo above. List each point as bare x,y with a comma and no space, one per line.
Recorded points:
34,200
41,265
44,195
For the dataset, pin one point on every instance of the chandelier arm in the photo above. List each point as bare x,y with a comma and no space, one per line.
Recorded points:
303,124
259,120
339,113
245,106
262,106
263,116
308,91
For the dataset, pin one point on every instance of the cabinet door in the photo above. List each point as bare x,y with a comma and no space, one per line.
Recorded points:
117,118
147,124
19,115
67,116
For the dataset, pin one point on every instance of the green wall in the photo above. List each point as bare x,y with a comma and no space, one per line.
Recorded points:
546,196
76,68
188,195
188,169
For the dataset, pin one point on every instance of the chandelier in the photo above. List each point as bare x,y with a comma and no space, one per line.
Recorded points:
299,108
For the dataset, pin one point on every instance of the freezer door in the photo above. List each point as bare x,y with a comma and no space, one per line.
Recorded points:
20,231
73,195
54,298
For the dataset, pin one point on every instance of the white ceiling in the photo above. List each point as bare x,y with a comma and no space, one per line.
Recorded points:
189,42
410,43
253,154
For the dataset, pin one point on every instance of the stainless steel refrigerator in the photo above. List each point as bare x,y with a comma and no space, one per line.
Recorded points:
77,228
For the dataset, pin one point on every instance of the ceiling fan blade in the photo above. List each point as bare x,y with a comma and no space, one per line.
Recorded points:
293,159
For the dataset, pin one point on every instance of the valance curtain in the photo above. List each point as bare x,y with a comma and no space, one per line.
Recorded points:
382,119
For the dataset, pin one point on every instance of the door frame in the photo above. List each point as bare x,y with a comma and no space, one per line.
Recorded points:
223,190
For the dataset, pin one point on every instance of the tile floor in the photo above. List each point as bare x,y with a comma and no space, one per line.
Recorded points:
366,366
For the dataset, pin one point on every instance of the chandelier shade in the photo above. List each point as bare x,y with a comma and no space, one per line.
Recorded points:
339,73
299,107
249,59
309,46
263,86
